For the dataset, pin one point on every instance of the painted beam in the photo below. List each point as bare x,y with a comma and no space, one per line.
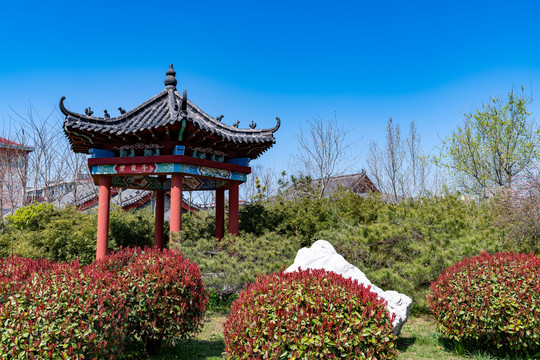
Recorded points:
146,182
165,159
100,153
179,150
167,168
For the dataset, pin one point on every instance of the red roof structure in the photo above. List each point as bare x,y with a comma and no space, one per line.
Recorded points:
8,144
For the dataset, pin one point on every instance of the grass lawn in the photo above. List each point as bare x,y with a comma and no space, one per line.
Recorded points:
208,345
418,340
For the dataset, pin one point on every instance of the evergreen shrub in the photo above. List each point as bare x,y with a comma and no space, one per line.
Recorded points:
227,265
403,247
490,300
165,293
308,314
67,312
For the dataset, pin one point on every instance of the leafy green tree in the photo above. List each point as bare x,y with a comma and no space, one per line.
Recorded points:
494,144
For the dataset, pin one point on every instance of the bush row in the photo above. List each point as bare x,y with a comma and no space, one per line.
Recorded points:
490,301
65,310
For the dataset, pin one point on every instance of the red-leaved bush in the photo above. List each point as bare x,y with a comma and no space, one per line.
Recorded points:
166,296
66,312
490,300
309,314
16,270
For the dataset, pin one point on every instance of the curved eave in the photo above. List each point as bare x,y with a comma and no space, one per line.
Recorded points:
213,122
157,114
113,121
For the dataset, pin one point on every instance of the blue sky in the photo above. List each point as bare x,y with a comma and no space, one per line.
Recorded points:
427,62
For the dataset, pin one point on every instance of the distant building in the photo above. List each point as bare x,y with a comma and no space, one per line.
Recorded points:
358,183
13,174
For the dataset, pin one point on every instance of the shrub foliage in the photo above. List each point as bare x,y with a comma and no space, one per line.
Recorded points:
166,296
66,312
491,301
229,264
402,246
310,314
15,272
42,231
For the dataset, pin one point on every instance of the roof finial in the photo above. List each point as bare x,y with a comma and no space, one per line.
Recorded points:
170,80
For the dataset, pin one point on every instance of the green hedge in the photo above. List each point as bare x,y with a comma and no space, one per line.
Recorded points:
42,231
401,247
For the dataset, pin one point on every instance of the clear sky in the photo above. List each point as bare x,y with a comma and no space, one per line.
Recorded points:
427,62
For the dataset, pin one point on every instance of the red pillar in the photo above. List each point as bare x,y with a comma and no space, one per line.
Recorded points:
176,203
233,208
160,210
220,213
103,216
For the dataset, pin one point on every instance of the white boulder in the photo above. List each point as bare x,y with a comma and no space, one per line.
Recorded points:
322,255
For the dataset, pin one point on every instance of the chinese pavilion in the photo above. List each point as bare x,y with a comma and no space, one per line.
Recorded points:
166,144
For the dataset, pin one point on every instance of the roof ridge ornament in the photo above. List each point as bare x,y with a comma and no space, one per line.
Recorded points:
183,104
170,80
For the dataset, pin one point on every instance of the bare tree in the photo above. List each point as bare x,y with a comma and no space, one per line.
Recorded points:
386,165
204,198
323,150
394,156
53,168
400,169
260,185
413,161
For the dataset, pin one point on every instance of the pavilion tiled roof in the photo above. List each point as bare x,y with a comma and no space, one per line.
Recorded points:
168,116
